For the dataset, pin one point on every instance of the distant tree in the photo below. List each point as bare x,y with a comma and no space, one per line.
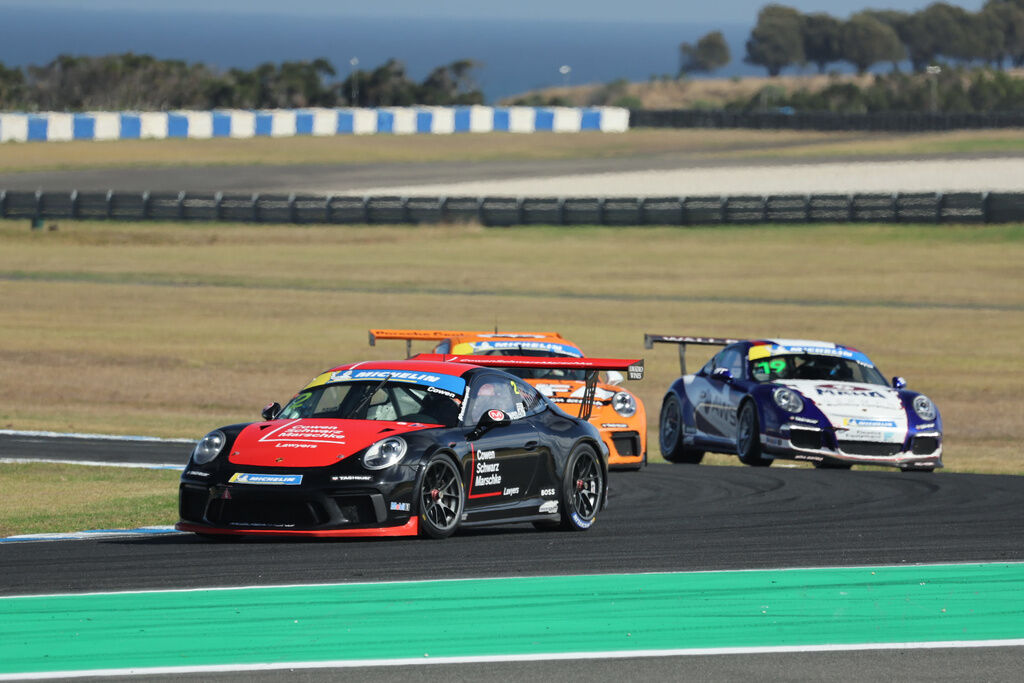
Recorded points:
12,88
711,52
385,86
821,39
451,84
943,30
865,41
1008,17
899,22
776,41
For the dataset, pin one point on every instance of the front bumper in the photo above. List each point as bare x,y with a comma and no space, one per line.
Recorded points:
625,447
324,508
917,450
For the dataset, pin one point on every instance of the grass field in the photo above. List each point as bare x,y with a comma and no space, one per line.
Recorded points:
168,330
362,149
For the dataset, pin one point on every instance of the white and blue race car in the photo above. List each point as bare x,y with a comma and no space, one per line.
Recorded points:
797,400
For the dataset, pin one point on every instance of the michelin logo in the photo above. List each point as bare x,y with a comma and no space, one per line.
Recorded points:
274,479
857,422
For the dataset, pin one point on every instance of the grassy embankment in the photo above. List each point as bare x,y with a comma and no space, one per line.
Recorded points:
170,330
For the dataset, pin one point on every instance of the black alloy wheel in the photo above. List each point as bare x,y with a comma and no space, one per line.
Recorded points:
582,489
442,497
670,434
748,438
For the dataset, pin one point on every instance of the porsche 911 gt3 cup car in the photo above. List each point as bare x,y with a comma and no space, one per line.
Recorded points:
617,413
795,399
399,448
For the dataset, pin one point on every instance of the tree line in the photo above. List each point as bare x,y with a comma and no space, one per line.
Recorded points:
784,37
954,90
145,83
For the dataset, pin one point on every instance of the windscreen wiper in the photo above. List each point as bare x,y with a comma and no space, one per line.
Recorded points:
369,395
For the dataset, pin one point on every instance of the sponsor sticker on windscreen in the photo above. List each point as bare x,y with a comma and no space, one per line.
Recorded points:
451,383
484,347
271,479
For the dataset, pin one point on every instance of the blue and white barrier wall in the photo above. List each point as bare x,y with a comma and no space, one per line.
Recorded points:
231,123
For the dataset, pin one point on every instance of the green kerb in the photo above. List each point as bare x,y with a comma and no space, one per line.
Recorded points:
513,617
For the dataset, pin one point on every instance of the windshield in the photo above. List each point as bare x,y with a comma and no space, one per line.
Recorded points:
376,400
539,373
811,366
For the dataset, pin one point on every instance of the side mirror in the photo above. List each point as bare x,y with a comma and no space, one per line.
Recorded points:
899,383
489,420
615,378
722,375
271,411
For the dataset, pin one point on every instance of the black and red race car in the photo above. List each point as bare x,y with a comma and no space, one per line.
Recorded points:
399,448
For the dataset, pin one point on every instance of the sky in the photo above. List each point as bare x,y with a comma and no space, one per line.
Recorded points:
742,11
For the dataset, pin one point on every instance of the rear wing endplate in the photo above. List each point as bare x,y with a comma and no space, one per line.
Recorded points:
651,339
440,335
634,368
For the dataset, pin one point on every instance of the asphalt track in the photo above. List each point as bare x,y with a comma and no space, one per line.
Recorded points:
662,519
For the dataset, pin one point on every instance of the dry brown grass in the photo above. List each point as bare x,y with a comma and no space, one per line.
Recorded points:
171,330
378,149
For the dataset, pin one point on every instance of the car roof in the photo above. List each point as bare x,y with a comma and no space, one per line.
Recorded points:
433,367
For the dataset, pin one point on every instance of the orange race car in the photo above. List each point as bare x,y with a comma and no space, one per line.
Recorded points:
618,414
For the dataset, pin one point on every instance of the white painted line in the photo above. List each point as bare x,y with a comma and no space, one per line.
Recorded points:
632,576
489,659
104,437
91,534
95,463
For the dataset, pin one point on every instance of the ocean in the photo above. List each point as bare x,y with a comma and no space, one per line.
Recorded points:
515,56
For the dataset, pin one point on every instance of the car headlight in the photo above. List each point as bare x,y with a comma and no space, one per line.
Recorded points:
788,400
209,447
624,404
924,407
385,453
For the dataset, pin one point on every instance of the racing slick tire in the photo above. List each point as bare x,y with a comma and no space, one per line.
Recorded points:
582,489
442,497
748,437
670,434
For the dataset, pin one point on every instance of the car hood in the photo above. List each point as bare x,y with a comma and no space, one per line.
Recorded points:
868,412
310,442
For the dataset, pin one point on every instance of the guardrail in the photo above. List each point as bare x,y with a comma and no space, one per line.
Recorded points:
882,121
235,123
955,207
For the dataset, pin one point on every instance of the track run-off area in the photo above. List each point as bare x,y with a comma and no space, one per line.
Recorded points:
687,562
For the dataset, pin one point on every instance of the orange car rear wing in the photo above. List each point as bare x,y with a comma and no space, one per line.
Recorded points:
440,335
634,368
651,339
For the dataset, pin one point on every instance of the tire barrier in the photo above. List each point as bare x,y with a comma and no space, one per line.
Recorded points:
954,207
62,127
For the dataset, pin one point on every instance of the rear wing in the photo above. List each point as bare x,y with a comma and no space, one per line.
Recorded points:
634,368
440,335
651,339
